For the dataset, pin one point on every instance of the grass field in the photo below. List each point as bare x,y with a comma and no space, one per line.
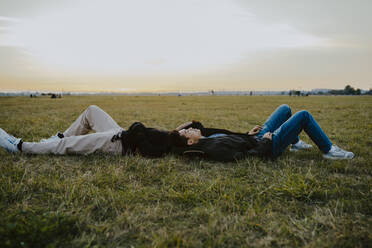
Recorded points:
100,200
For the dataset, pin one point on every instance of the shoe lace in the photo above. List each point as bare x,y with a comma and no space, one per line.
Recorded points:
338,149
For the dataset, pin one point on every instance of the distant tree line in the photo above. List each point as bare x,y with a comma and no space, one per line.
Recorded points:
347,91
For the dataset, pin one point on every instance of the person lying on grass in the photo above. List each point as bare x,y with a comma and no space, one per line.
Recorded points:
108,137
279,131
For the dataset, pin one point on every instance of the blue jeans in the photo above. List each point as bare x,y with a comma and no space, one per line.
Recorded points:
286,128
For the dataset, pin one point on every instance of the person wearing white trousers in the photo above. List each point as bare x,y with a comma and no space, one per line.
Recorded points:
75,140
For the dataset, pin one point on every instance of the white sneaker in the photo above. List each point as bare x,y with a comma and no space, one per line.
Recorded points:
9,142
338,153
58,136
300,145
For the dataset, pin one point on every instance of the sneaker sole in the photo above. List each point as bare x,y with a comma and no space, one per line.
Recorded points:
337,158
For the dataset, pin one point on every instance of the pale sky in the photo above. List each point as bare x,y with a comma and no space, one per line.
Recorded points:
184,45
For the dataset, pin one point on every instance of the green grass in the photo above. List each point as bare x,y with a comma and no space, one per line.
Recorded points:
114,201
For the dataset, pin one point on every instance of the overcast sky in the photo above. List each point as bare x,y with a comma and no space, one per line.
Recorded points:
172,45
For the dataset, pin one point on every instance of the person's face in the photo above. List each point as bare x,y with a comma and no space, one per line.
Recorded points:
193,135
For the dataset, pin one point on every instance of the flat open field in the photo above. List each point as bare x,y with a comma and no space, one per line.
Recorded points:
100,200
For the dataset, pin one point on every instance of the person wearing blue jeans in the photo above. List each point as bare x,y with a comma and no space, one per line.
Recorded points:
283,129
279,131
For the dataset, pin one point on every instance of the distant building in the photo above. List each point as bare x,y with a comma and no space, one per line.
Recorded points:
320,91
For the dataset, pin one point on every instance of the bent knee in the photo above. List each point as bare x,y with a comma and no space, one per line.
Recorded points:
304,113
93,107
285,107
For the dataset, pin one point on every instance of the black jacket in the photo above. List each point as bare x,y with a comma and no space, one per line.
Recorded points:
230,147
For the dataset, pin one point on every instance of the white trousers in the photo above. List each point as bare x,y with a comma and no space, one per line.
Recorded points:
77,141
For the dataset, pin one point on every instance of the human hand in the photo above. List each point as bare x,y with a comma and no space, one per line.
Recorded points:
255,130
268,135
182,126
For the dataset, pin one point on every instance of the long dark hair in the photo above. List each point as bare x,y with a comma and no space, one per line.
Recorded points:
177,140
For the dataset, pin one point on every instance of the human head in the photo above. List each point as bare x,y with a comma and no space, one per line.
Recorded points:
192,135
